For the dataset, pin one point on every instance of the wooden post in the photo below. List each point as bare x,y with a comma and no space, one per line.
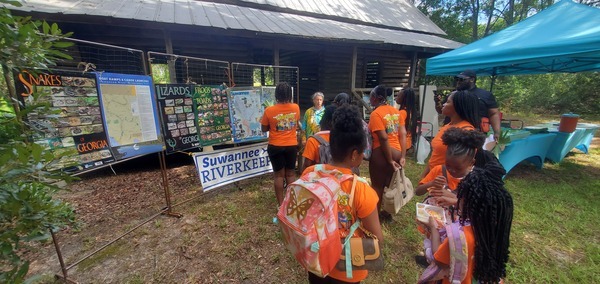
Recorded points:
170,63
353,71
413,70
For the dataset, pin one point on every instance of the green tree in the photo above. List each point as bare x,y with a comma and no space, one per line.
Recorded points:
467,21
27,208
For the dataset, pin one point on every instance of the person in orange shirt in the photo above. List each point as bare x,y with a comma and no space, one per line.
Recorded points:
389,141
485,210
462,147
348,141
407,101
281,121
462,108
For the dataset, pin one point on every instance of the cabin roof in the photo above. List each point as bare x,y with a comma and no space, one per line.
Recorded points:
371,21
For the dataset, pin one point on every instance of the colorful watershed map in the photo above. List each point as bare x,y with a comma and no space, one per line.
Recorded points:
130,114
247,108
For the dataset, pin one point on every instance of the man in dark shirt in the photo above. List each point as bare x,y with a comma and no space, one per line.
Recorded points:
488,107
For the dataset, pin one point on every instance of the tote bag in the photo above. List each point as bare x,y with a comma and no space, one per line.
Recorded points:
398,193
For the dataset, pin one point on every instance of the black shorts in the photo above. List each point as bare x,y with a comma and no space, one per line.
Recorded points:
282,156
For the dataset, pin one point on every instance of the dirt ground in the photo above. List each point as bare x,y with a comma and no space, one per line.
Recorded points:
196,248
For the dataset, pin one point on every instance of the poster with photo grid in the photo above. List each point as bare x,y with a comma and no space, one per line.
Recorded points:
211,109
176,105
70,123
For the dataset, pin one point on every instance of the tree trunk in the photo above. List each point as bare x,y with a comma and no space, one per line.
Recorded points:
12,92
474,20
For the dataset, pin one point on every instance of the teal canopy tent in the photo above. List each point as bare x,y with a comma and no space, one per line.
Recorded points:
562,38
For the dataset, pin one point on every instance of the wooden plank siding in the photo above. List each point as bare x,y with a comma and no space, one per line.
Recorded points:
335,70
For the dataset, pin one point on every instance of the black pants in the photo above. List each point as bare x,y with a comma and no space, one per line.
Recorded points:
314,279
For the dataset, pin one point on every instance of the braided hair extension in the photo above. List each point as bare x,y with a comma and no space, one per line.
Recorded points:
408,104
283,93
462,142
488,206
466,106
347,133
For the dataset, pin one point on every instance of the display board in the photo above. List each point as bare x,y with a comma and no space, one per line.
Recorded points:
211,109
130,114
222,167
247,108
73,121
175,102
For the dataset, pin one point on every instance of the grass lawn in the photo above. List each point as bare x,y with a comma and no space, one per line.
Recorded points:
555,236
228,235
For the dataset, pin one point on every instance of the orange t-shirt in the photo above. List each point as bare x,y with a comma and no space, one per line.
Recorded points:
403,115
388,119
282,120
365,202
311,150
437,171
438,153
442,255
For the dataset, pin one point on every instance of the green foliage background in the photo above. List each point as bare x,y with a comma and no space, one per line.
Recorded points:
548,93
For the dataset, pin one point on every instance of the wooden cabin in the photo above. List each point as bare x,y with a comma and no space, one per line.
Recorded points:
338,45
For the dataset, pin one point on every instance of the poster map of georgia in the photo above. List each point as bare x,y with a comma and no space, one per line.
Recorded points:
127,112
130,114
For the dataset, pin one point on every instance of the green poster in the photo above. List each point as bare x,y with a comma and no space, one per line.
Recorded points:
211,110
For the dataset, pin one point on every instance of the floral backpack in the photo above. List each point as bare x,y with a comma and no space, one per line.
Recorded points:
308,219
457,270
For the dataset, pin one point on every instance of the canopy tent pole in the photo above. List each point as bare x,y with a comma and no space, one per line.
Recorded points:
419,133
493,82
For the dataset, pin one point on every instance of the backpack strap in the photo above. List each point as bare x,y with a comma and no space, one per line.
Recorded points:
353,228
457,244
320,139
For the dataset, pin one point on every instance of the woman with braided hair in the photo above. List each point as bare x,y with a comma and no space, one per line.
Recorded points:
462,108
485,211
407,100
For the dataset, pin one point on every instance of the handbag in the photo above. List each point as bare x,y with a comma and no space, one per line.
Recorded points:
359,253
398,193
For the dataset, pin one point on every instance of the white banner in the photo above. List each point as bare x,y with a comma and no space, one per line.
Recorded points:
225,166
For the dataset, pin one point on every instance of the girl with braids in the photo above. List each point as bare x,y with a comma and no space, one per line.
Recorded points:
462,147
389,141
281,121
348,142
406,99
485,211
462,108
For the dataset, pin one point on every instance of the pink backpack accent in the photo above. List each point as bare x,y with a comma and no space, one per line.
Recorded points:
308,218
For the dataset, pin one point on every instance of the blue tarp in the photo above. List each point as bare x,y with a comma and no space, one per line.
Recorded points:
565,37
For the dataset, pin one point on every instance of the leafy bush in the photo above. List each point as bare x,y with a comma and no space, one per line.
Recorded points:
27,209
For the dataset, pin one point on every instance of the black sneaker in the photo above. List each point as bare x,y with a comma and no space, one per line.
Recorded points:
421,261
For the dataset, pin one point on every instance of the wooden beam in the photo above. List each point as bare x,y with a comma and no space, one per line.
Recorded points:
413,70
353,70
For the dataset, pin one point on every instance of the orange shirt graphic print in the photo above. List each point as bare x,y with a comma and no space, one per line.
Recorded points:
286,121
391,123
